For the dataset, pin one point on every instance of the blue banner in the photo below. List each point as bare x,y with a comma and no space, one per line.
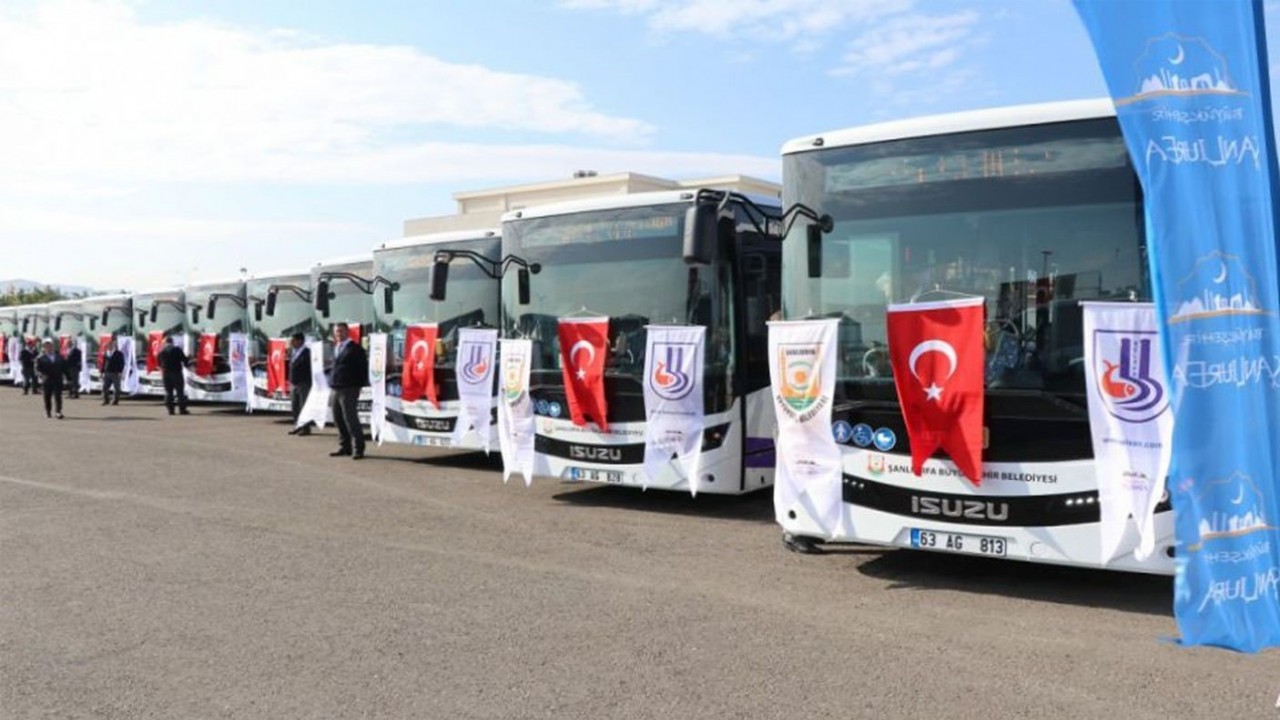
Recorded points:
1189,82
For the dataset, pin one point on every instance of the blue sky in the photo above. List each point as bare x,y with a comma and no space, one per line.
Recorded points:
146,143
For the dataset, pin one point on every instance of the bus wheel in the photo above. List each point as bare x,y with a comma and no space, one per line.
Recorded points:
801,544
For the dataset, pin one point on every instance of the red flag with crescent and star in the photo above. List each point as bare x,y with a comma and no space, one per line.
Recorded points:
102,349
276,358
155,342
584,345
937,355
354,332
64,345
205,351
418,379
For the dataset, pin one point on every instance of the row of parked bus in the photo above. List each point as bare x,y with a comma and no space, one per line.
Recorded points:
1033,208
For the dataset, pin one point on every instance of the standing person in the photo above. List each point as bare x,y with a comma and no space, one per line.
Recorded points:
112,371
172,360
298,374
51,369
72,364
27,358
350,373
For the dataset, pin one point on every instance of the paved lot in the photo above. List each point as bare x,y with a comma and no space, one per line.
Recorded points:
210,566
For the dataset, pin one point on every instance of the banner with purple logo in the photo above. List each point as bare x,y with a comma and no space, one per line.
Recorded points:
474,366
1190,86
673,401
378,386
1129,418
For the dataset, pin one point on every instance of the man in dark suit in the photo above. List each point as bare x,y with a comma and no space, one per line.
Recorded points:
350,373
172,360
50,368
298,373
27,359
112,372
73,363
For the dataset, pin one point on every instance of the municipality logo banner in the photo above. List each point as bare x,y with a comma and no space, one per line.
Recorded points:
1129,420
476,350
378,386
673,400
515,411
1190,85
802,373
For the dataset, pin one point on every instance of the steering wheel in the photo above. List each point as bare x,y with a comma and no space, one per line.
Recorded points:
872,359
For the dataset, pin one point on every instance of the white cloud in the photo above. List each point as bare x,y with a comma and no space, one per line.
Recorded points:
762,19
90,93
909,44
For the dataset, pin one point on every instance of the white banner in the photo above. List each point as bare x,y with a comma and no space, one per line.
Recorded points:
83,380
241,377
1129,419
515,411
315,409
802,371
474,369
130,381
673,403
378,385
15,365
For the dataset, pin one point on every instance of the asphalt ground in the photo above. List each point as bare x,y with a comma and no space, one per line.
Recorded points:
210,566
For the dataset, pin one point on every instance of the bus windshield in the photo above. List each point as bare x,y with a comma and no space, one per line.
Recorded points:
292,314
349,303
229,316
1032,219
624,263
471,297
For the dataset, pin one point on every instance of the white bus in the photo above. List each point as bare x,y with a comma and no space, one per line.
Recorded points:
9,328
215,310
699,257
68,322
471,300
342,293
108,317
1032,208
33,321
157,313
279,306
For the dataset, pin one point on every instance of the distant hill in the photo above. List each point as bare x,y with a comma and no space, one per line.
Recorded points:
16,284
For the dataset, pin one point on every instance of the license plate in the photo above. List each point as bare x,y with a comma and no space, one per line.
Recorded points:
959,543
594,475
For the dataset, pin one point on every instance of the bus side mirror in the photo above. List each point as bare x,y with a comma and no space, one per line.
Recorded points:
701,226
271,302
439,279
105,313
155,313
142,318
257,310
522,286
322,297
213,306
57,322
195,314
93,322
813,247
388,300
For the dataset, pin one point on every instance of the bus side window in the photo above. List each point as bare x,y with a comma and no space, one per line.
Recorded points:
761,299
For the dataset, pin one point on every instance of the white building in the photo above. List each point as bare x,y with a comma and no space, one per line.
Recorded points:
479,209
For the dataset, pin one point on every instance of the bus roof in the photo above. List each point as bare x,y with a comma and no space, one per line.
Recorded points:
113,297
611,202
970,121
274,274
439,238
344,260
172,289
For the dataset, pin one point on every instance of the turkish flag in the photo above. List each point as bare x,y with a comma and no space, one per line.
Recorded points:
418,376
584,344
937,356
64,345
102,348
4,348
155,341
353,331
205,351
276,353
